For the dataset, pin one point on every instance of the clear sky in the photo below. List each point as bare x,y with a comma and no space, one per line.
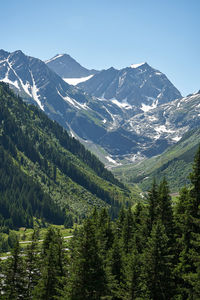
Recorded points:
104,33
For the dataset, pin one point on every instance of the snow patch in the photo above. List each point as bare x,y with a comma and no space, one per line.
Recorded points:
146,107
112,161
134,158
115,123
121,79
72,134
55,57
143,83
68,99
7,80
75,81
24,86
83,105
73,101
176,138
34,93
152,118
134,66
123,104
163,128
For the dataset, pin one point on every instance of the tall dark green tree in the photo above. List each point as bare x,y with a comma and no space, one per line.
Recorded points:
153,202
14,274
104,231
115,272
32,265
87,276
157,276
127,231
164,209
51,280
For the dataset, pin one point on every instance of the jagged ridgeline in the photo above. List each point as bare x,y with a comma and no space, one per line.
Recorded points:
44,173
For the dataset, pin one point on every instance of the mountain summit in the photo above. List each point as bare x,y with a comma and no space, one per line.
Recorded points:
139,85
67,67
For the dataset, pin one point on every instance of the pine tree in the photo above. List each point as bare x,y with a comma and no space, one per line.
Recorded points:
141,228
52,270
153,202
115,272
14,274
164,209
120,222
127,231
157,274
104,231
195,180
87,277
32,265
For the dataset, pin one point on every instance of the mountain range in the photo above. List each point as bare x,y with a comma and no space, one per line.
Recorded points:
100,111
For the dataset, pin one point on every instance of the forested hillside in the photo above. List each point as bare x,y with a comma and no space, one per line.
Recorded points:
149,253
45,173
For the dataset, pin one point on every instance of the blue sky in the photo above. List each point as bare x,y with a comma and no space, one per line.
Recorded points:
100,34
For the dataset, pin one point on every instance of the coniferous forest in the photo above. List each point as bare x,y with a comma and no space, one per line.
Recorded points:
149,252
46,174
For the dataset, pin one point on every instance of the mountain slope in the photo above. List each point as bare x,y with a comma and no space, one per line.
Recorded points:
175,164
168,121
140,85
73,178
85,117
67,67
125,131
37,84
33,80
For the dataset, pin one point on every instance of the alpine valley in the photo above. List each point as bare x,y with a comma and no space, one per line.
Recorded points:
123,116
44,173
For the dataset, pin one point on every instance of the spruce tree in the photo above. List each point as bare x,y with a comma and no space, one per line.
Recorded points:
115,272
104,231
120,222
153,202
32,265
195,180
127,231
164,209
157,273
130,287
87,276
141,228
14,274
50,283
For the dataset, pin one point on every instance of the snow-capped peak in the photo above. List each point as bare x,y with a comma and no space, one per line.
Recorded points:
134,66
53,58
